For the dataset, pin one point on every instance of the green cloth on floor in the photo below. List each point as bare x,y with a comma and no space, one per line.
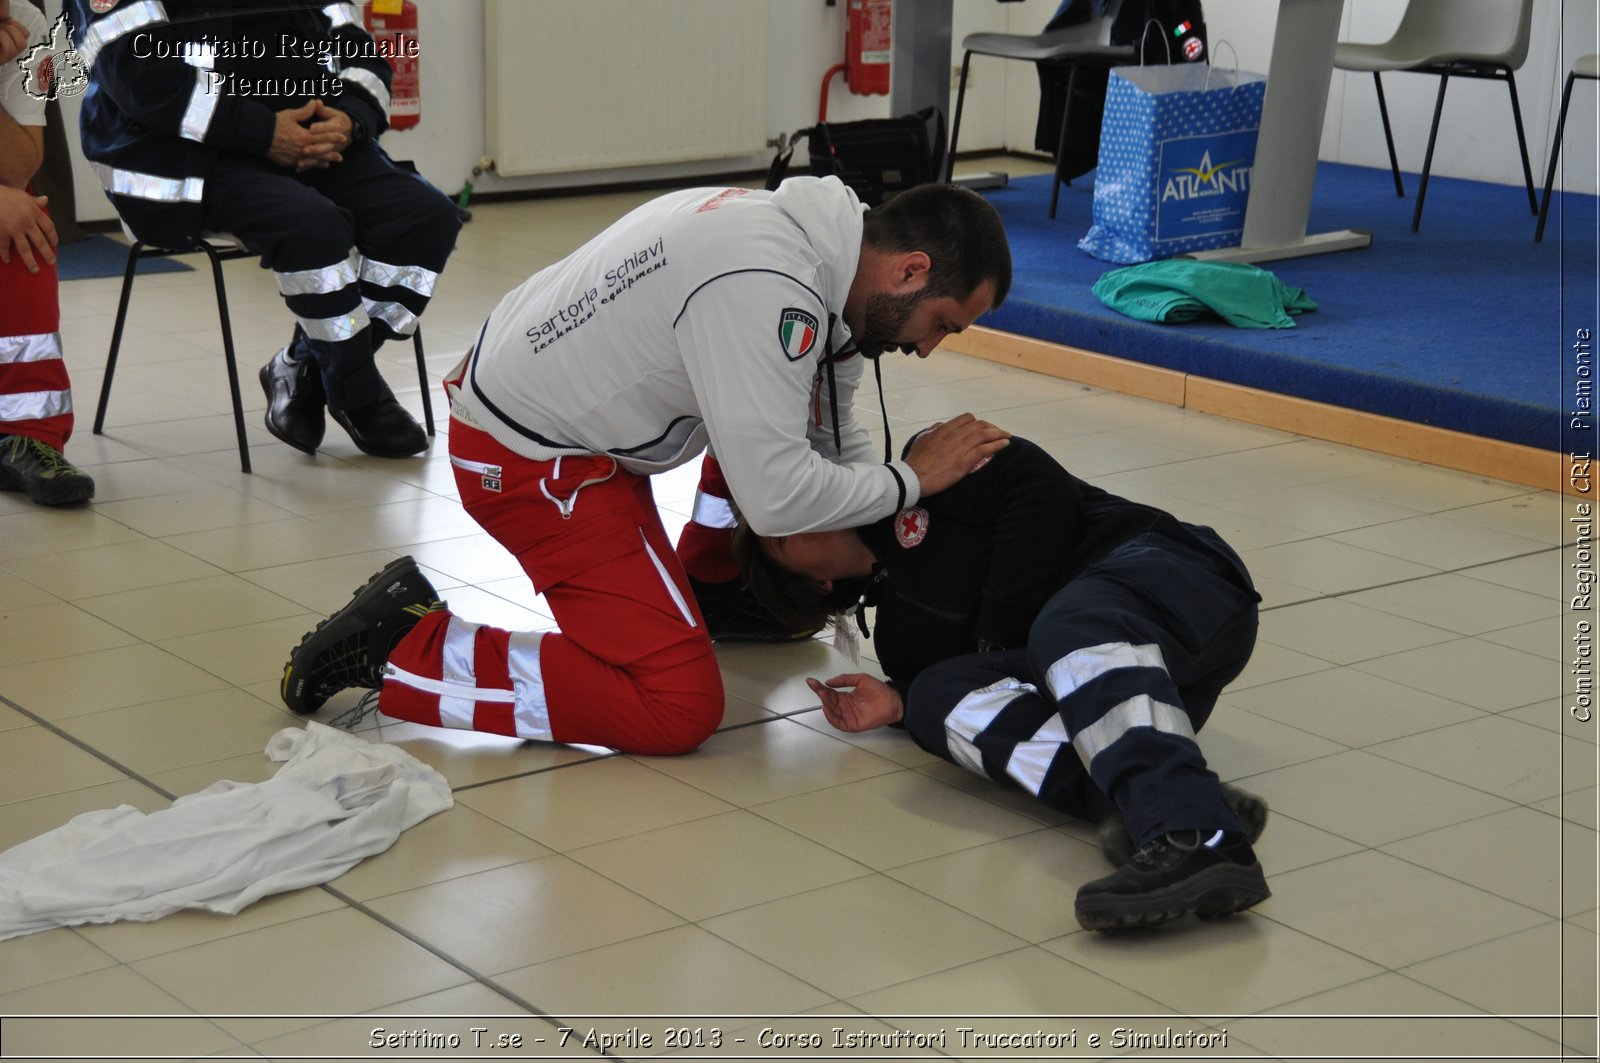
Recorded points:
1177,290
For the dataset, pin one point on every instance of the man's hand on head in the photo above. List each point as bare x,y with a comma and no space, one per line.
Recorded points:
945,453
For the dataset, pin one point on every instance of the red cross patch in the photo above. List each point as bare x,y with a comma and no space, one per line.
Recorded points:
911,526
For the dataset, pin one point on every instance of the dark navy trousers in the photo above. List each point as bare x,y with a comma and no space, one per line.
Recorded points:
356,250
1100,709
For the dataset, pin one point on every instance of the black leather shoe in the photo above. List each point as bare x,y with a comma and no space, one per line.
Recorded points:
295,401
383,428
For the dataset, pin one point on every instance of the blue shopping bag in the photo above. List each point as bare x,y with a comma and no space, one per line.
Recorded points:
1177,146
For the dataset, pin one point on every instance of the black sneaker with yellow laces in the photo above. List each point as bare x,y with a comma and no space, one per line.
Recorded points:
352,647
43,472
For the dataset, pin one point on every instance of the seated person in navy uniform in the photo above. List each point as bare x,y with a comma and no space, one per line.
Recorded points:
1049,635
262,122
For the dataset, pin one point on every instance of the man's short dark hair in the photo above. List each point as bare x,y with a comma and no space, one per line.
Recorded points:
958,229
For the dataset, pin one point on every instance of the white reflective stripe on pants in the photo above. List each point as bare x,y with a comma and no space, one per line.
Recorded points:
1091,662
527,679
1140,710
1030,761
322,280
974,713
401,322
459,693
38,347
335,329
34,405
459,668
148,185
387,275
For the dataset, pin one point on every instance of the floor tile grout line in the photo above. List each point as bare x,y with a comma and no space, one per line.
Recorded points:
484,980
1461,570
83,746
331,890
533,772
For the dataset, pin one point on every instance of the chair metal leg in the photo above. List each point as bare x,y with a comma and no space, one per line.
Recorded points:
1388,136
134,251
1522,142
1427,160
227,352
1555,153
422,377
955,127
1061,140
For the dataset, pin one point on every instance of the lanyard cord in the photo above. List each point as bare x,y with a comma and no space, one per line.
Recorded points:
829,357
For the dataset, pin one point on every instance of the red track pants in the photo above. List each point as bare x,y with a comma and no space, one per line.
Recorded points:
632,666
35,396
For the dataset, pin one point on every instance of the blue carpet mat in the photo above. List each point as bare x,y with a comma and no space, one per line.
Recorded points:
101,256
1465,325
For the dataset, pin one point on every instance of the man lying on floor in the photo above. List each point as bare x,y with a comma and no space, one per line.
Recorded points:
1045,633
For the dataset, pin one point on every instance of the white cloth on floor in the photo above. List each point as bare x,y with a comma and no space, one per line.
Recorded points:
337,800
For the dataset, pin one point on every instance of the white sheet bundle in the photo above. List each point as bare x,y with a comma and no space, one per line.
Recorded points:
337,800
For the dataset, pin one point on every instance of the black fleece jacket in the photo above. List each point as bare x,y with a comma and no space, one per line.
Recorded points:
969,568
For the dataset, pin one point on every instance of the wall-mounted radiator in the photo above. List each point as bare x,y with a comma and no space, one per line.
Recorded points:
601,84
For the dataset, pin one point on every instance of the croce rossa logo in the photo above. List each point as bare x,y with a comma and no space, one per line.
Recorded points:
51,69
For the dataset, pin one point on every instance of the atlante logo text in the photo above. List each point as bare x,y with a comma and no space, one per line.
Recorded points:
1206,179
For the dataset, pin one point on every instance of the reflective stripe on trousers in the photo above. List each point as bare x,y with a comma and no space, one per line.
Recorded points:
464,702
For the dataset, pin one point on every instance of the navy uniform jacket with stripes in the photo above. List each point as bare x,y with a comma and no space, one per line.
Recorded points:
971,567
176,83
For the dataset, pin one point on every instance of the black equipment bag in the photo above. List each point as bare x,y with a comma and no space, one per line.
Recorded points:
877,157
1159,44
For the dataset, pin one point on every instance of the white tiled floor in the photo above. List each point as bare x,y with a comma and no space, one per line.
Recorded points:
1431,851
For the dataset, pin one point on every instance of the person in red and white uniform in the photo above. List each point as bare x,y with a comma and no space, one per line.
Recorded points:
35,393
730,317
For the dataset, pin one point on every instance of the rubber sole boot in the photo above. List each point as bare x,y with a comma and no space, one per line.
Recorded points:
43,472
350,648
1173,877
1117,844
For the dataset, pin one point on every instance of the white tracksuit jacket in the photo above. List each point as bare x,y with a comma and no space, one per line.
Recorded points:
703,316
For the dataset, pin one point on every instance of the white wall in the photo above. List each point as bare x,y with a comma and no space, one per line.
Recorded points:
807,37
1477,137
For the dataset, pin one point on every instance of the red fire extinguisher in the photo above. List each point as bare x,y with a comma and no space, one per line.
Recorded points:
868,47
393,25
